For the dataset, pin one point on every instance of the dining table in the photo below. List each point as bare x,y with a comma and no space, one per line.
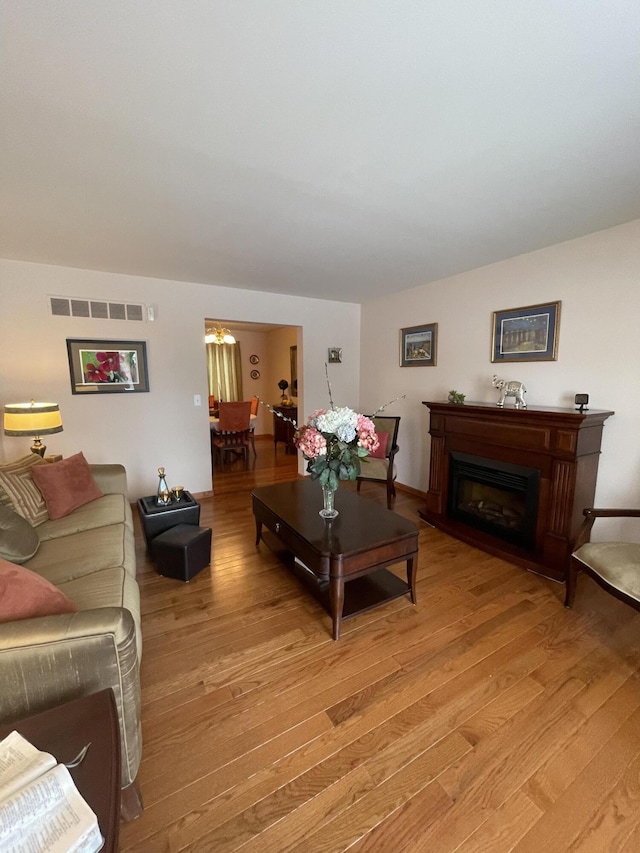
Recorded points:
214,423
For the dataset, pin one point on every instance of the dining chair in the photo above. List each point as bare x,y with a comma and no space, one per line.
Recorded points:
613,565
233,436
255,403
379,467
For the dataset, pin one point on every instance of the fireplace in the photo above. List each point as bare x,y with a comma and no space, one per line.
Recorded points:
512,481
496,497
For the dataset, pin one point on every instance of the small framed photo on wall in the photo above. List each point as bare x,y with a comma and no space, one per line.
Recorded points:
335,355
419,346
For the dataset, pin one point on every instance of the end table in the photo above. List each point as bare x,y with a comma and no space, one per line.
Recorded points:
156,519
63,731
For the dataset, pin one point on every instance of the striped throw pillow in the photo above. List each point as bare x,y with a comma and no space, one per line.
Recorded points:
17,483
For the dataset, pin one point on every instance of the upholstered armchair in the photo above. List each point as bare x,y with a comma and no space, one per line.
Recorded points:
613,565
379,466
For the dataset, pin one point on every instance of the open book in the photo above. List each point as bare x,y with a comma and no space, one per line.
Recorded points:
41,810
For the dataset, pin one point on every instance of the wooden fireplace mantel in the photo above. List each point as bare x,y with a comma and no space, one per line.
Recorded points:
562,444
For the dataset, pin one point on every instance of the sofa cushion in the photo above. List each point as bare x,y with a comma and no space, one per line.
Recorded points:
25,594
17,482
110,509
66,485
18,539
84,553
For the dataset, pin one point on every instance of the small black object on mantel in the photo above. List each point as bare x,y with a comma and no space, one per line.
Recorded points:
581,402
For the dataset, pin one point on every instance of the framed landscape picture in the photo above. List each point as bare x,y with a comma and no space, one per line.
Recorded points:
419,346
526,334
107,367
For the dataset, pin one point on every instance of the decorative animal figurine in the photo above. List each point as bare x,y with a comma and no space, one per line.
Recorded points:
510,388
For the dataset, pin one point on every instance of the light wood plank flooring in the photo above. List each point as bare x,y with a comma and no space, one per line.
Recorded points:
486,718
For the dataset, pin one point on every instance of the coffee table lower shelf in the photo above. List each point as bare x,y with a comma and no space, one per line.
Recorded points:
360,594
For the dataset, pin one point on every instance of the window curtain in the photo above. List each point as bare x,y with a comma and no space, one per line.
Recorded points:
224,372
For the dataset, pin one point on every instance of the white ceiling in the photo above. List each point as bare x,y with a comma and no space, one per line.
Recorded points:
332,148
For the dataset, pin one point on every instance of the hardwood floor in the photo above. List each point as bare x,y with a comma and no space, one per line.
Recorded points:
486,718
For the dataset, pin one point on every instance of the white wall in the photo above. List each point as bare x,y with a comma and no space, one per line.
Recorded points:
144,431
597,279
279,363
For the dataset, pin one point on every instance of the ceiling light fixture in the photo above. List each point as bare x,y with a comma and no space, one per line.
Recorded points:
219,335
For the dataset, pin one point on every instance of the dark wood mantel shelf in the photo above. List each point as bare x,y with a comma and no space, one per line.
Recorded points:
562,444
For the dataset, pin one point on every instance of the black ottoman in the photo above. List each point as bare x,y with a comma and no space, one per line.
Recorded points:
182,551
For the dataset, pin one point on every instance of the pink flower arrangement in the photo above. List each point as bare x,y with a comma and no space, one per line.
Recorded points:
333,441
311,442
367,436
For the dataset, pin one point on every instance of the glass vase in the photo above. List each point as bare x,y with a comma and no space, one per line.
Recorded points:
328,510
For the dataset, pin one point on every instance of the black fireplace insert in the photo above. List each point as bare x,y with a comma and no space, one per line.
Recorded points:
496,497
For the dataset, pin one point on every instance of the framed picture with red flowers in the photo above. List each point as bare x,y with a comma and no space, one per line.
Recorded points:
107,367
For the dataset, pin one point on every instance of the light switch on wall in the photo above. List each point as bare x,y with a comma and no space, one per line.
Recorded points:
197,400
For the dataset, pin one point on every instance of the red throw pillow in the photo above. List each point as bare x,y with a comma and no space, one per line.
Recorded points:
25,594
66,485
381,452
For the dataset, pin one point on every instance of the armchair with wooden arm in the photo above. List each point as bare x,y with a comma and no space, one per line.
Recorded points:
615,566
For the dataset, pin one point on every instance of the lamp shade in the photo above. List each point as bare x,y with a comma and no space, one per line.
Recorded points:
32,419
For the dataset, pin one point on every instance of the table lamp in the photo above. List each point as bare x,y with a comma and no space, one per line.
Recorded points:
32,419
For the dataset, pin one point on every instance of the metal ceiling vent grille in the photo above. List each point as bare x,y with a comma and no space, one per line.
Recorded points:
69,306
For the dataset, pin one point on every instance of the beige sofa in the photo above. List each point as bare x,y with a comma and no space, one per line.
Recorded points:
90,556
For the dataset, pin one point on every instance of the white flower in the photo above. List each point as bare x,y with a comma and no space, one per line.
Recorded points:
341,422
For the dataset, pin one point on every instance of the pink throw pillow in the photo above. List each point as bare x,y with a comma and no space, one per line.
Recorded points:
381,452
66,485
25,594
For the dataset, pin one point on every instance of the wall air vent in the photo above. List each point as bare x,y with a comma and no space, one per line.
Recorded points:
99,310
117,311
80,308
70,306
59,307
134,312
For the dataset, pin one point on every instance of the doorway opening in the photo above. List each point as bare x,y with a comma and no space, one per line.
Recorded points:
264,355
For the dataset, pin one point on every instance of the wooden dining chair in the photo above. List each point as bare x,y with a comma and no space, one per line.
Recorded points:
255,402
233,436
379,466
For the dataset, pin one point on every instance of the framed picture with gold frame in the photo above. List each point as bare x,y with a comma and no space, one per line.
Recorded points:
526,334
419,346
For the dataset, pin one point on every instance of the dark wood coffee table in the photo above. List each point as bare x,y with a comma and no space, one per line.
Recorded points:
342,560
